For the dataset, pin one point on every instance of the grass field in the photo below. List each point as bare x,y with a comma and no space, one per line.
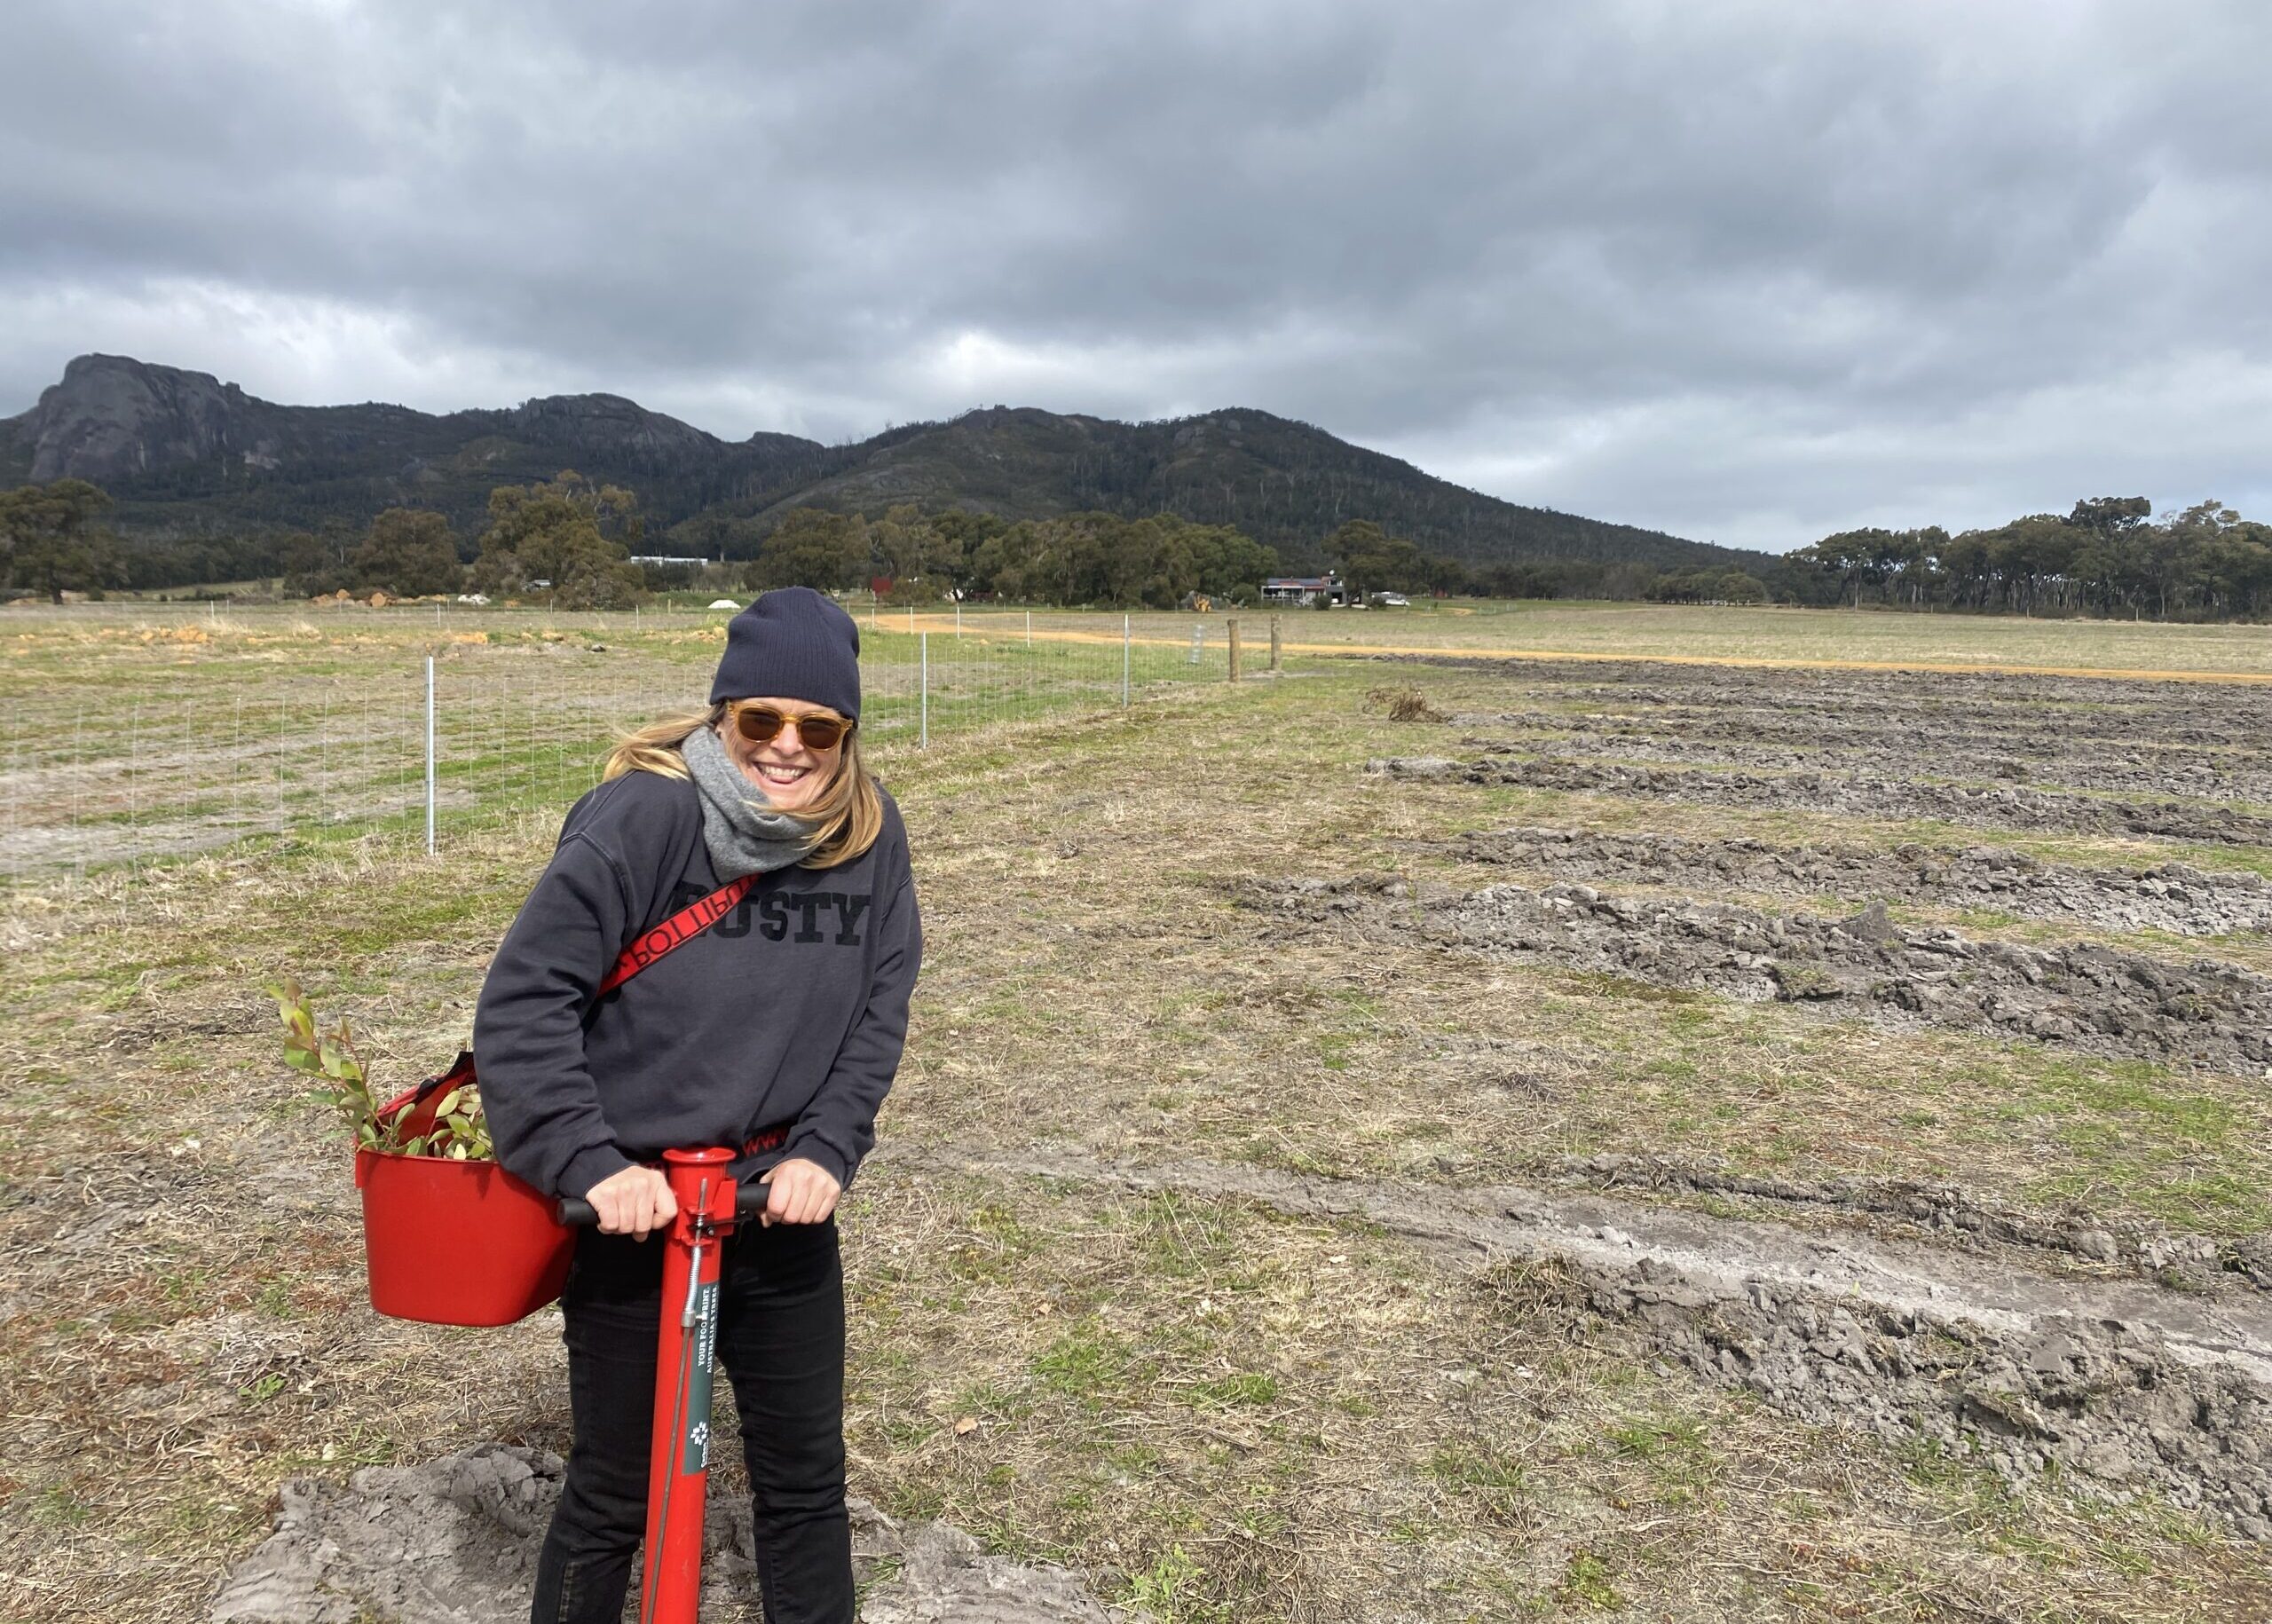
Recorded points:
1200,973
1793,635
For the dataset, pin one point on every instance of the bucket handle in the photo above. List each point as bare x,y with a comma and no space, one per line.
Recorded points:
461,1072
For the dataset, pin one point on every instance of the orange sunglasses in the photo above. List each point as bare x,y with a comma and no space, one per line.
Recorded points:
760,723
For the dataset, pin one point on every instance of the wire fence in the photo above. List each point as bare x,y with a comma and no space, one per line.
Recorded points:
139,735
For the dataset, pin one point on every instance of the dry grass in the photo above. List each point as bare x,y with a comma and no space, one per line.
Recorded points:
1228,1414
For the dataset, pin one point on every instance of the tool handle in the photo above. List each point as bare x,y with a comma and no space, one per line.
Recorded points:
749,1201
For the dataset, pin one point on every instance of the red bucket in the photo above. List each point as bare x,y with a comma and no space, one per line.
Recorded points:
456,1242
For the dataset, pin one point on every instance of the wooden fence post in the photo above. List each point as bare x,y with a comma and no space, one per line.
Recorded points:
1273,642
1233,625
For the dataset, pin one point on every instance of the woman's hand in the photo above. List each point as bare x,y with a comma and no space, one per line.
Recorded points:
798,1191
633,1201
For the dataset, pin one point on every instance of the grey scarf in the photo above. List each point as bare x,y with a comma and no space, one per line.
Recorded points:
745,835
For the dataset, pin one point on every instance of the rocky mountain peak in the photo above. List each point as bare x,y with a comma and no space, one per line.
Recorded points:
114,416
607,422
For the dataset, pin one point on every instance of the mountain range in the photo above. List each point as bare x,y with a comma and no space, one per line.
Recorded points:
183,453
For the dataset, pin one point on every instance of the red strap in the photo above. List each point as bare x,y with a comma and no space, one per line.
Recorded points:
683,927
688,923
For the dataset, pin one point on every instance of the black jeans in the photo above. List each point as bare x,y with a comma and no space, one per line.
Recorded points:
781,1339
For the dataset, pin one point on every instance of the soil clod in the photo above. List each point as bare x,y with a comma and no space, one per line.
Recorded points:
454,1542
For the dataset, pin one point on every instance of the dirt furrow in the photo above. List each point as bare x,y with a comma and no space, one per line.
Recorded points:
2124,1383
2034,729
1858,793
2097,999
2239,712
2104,770
2169,896
1952,1215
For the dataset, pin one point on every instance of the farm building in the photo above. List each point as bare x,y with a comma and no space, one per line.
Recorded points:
1307,590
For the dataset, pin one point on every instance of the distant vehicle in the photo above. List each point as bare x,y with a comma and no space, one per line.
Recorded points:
1391,600
724,604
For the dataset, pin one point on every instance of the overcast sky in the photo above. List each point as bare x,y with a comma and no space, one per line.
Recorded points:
1746,273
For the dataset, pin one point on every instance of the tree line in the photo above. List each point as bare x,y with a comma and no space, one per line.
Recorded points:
1094,558
567,538
2108,556
570,540
1160,561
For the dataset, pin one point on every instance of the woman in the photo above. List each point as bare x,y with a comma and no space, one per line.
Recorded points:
778,1030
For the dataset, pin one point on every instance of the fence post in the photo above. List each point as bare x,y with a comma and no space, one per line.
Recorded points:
1273,642
133,755
1124,662
1233,626
429,755
923,683
1029,628
958,619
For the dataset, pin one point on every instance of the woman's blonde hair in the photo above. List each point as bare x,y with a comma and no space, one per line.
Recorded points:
846,818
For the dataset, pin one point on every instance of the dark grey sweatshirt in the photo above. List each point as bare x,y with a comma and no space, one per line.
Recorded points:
790,1011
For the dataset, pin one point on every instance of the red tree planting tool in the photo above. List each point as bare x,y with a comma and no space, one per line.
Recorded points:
678,1469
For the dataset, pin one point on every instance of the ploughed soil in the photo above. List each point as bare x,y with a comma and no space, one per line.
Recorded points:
2039,730
2097,999
2168,896
1859,793
2114,767
1922,705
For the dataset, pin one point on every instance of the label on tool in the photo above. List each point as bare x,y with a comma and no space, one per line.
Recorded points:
694,1451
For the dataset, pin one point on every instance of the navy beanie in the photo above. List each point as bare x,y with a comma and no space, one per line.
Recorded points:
792,644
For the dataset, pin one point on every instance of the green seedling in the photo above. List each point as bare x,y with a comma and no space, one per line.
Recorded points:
459,1131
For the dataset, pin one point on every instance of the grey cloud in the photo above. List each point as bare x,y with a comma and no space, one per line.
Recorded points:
1746,272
